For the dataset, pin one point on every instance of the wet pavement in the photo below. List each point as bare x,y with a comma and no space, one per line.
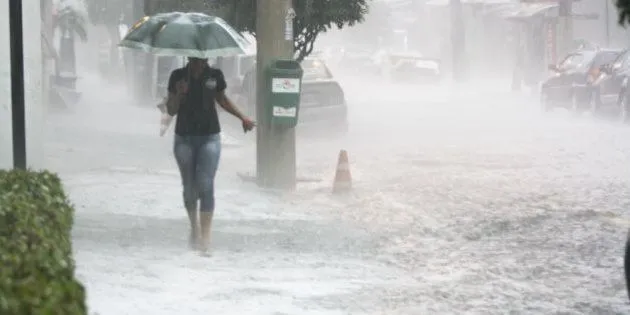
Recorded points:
130,243
465,201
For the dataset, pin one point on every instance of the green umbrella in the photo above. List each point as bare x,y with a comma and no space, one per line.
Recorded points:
186,35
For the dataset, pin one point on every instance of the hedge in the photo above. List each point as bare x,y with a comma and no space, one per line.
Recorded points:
36,264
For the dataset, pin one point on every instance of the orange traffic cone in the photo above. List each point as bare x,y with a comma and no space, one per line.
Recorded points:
343,179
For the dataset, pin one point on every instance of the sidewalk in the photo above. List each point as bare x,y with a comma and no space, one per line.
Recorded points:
130,241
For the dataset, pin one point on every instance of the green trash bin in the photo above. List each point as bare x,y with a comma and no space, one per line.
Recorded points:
284,84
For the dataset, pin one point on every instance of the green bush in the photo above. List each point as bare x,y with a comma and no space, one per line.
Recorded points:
36,264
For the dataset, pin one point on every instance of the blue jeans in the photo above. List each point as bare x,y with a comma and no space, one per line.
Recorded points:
198,158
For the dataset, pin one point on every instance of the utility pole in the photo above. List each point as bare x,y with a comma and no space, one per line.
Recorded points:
275,146
458,41
17,84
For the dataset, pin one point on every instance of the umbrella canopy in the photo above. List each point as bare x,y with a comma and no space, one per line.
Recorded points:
184,34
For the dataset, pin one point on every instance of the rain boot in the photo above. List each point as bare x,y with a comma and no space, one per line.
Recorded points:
205,219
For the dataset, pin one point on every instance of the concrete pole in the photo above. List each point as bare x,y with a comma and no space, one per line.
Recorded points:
275,147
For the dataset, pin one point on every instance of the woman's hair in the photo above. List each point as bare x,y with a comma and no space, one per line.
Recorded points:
196,59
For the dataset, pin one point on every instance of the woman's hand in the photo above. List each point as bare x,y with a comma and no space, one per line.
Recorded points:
248,124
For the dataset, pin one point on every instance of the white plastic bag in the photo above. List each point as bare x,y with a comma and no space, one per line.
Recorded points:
165,122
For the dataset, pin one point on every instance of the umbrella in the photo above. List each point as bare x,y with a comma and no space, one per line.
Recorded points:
186,35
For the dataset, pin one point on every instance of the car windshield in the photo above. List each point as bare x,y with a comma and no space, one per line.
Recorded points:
577,61
315,69
620,59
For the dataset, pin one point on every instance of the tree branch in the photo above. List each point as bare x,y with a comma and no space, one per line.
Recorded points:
304,43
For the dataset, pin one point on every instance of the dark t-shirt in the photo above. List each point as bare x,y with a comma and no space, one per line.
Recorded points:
197,115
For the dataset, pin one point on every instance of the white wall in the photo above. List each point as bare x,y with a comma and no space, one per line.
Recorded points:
35,111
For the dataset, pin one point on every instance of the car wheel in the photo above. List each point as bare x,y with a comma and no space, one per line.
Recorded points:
623,108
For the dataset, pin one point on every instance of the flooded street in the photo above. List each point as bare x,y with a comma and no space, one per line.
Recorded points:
466,200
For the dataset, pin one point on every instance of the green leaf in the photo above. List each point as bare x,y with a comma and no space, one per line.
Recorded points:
312,18
37,274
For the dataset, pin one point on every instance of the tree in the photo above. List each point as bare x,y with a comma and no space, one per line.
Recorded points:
312,18
624,11
70,20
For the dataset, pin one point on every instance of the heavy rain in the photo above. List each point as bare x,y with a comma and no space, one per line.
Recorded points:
486,143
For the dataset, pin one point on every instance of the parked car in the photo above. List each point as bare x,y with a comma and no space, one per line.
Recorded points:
322,99
570,86
610,89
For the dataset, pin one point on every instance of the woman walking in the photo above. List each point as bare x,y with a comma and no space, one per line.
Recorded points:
192,93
